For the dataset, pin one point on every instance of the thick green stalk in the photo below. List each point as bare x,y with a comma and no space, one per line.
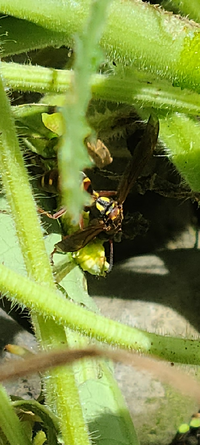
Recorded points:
145,91
66,313
19,194
10,423
157,94
66,399
137,34
56,15
105,389
36,78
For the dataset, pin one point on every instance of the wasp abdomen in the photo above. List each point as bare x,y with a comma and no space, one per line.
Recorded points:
50,181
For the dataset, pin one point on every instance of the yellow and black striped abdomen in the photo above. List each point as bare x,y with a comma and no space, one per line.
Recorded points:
50,181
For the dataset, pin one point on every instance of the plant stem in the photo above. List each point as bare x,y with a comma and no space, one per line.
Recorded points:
58,16
20,197
157,94
68,314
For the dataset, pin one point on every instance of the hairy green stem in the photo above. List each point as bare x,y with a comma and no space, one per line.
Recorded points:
57,15
105,388
19,194
43,300
138,91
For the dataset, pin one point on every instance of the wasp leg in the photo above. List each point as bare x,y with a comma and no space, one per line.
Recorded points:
56,215
51,256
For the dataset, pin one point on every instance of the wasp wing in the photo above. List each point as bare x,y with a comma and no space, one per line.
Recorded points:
81,238
140,158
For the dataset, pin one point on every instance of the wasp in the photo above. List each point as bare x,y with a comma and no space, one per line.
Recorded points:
106,210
